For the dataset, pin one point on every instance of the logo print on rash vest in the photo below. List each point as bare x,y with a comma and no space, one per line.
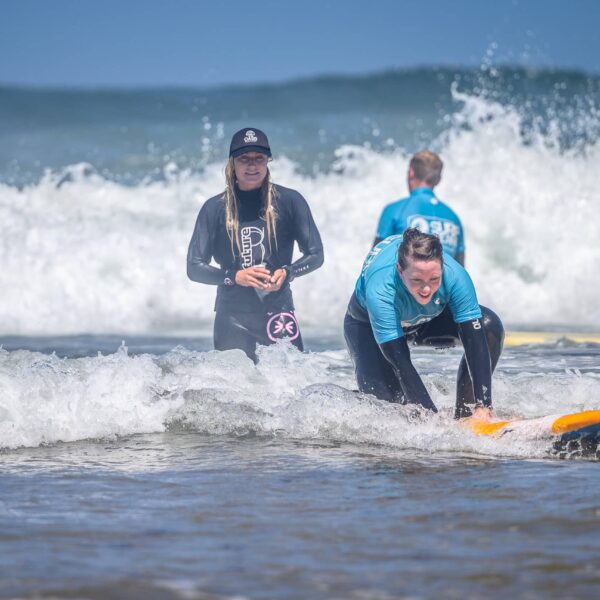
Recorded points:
282,325
252,237
447,231
250,137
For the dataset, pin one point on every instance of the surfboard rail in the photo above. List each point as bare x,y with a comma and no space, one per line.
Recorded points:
575,421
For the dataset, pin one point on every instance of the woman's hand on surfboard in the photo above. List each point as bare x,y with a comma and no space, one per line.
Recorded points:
482,413
256,277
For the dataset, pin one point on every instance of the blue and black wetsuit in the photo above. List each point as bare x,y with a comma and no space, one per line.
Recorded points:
246,316
383,318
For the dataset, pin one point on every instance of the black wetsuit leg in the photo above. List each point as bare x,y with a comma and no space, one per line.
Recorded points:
231,332
245,330
374,373
442,332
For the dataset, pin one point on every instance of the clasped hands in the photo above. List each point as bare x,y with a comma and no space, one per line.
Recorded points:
261,278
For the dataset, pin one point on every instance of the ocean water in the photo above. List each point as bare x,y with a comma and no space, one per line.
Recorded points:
135,462
95,222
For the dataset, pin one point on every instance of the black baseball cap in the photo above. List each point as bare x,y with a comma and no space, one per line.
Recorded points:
249,140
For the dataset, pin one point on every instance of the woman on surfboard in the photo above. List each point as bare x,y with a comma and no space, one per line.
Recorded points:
410,291
250,230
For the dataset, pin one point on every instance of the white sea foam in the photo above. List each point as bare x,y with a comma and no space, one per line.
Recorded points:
83,254
45,399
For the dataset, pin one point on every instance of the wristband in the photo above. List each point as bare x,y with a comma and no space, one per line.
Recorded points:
229,279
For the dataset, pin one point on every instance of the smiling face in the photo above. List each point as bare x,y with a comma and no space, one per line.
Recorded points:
422,278
250,170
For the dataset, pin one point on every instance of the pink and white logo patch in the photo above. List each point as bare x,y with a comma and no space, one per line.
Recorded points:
282,325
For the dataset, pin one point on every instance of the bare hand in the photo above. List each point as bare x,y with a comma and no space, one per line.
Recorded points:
277,279
256,277
482,413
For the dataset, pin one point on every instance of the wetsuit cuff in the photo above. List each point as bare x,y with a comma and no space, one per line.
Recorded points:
483,404
289,273
230,277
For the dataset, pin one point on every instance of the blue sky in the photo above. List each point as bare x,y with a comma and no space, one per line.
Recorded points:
85,43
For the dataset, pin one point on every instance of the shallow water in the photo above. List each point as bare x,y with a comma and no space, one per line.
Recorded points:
183,515
195,474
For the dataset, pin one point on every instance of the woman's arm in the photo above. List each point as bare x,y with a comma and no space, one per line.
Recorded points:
397,354
477,355
200,253
308,238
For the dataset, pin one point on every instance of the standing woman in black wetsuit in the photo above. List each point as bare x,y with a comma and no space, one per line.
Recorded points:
250,230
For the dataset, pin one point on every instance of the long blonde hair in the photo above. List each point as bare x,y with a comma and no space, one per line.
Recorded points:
232,219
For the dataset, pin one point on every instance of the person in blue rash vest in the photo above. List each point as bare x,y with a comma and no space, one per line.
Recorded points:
423,209
411,292
250,230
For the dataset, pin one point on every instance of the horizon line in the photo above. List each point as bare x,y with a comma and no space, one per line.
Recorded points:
145,87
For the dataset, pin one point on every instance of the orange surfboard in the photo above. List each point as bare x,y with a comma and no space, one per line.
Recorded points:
551,426
570,436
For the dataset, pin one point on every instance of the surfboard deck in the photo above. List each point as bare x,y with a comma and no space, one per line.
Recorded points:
575,434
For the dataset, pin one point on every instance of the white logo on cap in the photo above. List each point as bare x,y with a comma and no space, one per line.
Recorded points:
250,137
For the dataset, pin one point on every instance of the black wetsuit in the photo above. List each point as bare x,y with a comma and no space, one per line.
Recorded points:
244,315
387,372
383,318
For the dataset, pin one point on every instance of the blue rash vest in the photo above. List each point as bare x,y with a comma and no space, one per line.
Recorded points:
425,211
391,307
